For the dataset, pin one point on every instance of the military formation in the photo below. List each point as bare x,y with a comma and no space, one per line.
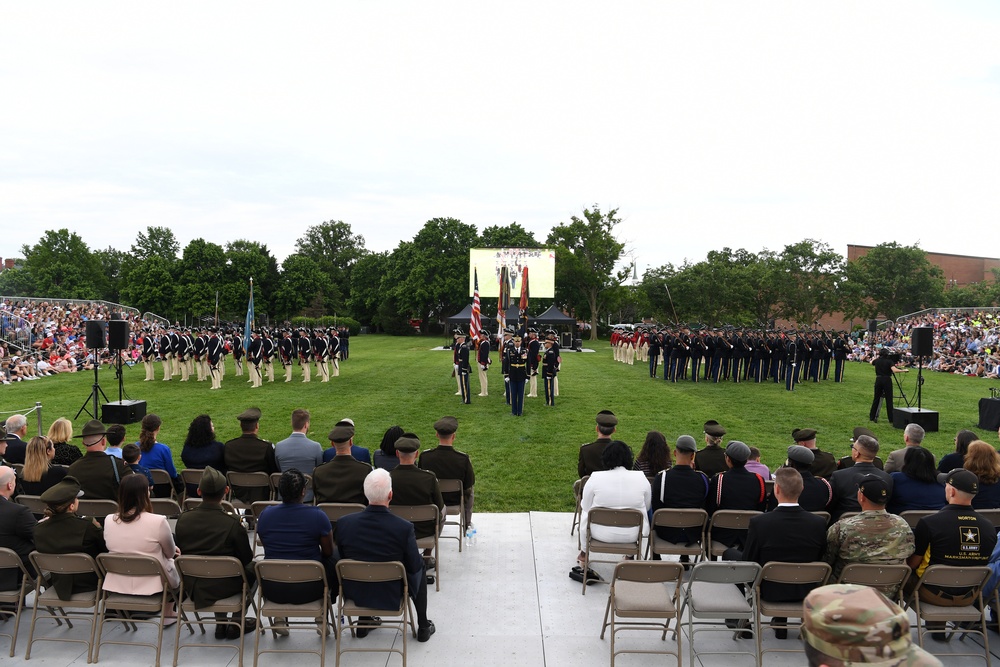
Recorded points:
524,355
729,354
201,353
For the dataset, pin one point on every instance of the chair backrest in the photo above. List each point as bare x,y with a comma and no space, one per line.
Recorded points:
450,485
334,511
912,517
290,571
415,513
132,565
248,480
578,486
605,516
192,475
795,573
649,571
993,515
735,519
824,514
370,572
877,576
167,507
160,476
10,560
950,576
210,567
258,507
769,488
33,503
725,572
670,517
276,477
97,507
75,563
848,515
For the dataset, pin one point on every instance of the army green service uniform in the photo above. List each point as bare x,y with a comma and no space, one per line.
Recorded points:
209,530
342,480
99,475
67,534
413,486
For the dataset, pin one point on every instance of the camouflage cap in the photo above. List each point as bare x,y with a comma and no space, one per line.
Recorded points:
857,624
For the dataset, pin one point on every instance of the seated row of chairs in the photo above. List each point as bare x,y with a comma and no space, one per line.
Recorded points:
648,595
100,606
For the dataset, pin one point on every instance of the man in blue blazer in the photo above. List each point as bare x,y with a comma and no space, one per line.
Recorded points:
375,535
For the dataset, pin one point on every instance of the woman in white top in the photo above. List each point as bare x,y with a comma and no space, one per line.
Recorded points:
135,530
616,487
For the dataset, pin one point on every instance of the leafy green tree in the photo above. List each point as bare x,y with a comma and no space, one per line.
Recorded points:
114,264
437,282
17,282
892,280
150,287
511,236
199,273
586,254
62,266
366,288
810,276
335,249
244,260
301,283
156,242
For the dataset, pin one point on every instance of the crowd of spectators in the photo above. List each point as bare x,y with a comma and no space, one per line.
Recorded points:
964,343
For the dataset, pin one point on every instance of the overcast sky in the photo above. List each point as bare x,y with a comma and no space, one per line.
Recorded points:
706,124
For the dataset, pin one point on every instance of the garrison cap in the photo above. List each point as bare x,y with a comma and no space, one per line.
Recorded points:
714,429
804,434
342,432
446,425
801,454
66,490
607,418
249,415
860,431
738,451
408,442
212,482
686,443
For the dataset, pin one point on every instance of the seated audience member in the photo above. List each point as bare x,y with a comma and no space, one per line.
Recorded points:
17,429
448,463
357,451
680,487
298,451
711,459
116,436
848,461
63,532
413,486
136,530
17,528
824,464
202,450
99,474
131,454
342,478
754,464
209,530
845,482
817,494
376,535
38,473
845,624
915,487
872,537
735,489
61,434
654,456
956,458
250,453
589,458
913,436
616,487
294,531
984,461
788,534
385,457
156,455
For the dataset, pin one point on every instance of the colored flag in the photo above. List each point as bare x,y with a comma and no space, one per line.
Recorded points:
476,324
522,316
503,301
248,325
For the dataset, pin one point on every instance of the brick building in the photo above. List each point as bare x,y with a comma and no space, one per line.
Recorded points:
959,270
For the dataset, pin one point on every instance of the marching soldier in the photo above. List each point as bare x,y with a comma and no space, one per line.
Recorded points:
551,335
462,367
320,350
166,355
840,349
305,351
255,357
287,353
238,353
200,347
517,370
148,354
792,361
654,352
550,367
268,349
505,361
175,364
333,350
182,355
483,362
213,355
534,356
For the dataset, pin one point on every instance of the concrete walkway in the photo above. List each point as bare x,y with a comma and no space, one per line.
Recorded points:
507,601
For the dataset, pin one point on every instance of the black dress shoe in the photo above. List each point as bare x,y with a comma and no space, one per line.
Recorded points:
424,633
780,633
367,623
233,632
221,631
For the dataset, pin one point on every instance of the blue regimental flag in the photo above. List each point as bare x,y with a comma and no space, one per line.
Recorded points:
248,325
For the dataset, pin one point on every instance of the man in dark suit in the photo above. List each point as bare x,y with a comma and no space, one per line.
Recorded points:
590,454
17,428
845,481
375,535
17,528
789,534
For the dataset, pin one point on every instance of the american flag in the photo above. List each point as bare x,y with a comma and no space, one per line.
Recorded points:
476,324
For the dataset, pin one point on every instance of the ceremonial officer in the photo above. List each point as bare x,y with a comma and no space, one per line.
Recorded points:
213,356
462,367
534,357
345,340
200,349
413,486
654,352
148,354
505,361
250,453
166,354
255,356
696,352
238,352
483,362
320,346
333,350
287,353
550,368
183,354
791,361
551,335
268,349
840,350
305,352
175,364
517,356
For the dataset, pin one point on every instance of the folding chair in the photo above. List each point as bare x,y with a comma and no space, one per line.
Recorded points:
9,560
454,486
167,507
963,616
993,515
347,609
162,478
191,478
49,602
276,477
644,590
33,503
690,519
712,594
734,519
256,484
334,511
125,604
914,516
417,514
847,515
824,514
806,574
319,611
887,579
256,509
97,508
214,567
578,510
611,518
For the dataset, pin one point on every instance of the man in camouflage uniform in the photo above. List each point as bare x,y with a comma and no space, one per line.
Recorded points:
874,536
848,624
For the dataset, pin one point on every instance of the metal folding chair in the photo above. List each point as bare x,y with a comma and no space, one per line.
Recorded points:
454,486
213,567
611,518
644,590
578,510
733,519
84,605
963,615
689,519
9,560
806,574
319,611
347,610
417,514
887,579
713,597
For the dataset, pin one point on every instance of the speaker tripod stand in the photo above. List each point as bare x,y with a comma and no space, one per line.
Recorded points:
95,391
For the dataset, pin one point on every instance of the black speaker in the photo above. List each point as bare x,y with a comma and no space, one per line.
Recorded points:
922,341
873,325
117,334
95,335
123,412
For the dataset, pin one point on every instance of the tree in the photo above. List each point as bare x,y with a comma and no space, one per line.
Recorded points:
586,255
17,282
156,242
892,280
114,263
62,267
437,279
199,273
149,286
301,283
810,276
366,287
511,236
244,260
336,250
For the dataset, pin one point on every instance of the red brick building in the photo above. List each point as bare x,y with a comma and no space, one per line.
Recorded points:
959,270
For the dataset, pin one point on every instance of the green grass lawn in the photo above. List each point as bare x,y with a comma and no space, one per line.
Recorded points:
526,463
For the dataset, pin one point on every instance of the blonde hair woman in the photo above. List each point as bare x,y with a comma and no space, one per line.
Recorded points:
39,474
61,435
